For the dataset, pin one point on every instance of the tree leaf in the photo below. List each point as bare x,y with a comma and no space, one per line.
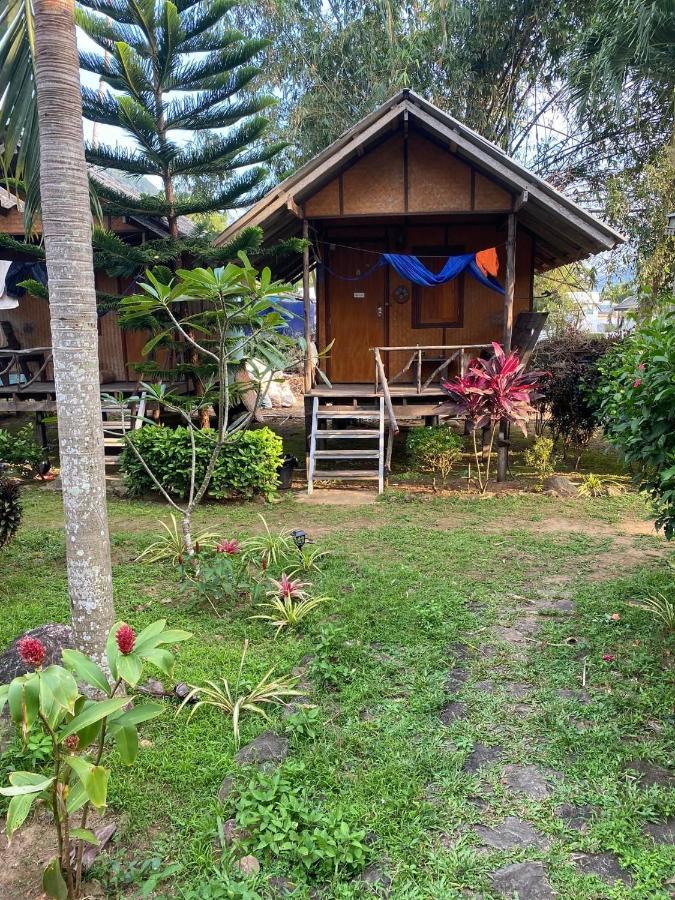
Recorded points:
161,658
26,783
83,834
86,669
129,668
24,701
19,807
126,738
141,713
60,684
53,883
94,713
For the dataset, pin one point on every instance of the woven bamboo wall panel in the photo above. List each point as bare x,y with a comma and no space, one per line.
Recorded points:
326,202
437,180
489,195
375,184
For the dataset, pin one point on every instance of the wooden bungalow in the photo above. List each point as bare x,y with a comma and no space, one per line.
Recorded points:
411,180
26,376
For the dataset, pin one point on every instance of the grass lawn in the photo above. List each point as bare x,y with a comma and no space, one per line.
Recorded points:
458,632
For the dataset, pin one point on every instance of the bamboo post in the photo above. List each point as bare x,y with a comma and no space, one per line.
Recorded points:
510,280
307,306
393,424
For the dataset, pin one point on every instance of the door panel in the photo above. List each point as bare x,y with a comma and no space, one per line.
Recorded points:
356,315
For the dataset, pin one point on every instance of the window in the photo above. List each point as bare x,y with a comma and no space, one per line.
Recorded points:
442,305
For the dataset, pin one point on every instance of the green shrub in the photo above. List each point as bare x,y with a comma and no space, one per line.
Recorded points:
19,448
637,407
436,449
540,457
284,823
568,397
248,464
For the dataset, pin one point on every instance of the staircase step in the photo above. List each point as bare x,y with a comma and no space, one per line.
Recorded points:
347,454
349,433
354,412
360,474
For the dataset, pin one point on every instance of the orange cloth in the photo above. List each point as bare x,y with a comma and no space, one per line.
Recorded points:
488,262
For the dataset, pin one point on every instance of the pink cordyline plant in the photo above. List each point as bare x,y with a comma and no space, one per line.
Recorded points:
493,390
231,548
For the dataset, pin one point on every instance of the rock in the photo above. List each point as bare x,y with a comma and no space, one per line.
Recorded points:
527,780
455,680
579,696
661,832
650,774
181,690
451,712
557,607
152,687
121,491
54,637
376,876
526,880
511,834
481,756
561,486
604,866
233,834
458,651
268,747
226,788
517,690
485,687
280,886
575,817
509,635
614,490
248,865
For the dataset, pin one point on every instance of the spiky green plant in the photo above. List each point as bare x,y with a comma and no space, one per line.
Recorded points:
288,611
10,510
171,545
592,486
233,700
270,549
662,608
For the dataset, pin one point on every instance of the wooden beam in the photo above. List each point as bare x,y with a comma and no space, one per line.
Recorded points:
307,306
509,282
293,207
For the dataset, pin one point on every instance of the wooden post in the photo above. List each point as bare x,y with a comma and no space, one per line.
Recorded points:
510,281
509,284
307,306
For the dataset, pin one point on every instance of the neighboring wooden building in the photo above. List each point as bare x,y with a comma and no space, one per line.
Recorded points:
411,179
26,327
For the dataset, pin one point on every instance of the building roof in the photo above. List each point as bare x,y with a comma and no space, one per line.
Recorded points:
563,230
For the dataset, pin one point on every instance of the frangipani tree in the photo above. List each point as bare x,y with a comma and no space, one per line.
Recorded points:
493,390
225,315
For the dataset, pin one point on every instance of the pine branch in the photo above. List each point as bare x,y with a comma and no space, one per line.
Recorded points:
105,32
7,242
187,111
229,114
134,162
202,17
118,10
219,154
213,70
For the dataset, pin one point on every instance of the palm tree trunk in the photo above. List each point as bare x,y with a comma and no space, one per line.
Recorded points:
66,221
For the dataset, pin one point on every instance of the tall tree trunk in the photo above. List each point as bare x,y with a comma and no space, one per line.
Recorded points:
66,221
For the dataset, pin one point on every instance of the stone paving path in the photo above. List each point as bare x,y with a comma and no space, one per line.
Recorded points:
528,879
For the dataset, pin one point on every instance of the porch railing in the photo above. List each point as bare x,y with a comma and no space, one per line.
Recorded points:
15,367
450,352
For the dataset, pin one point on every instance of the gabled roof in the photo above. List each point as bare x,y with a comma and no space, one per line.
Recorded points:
563,230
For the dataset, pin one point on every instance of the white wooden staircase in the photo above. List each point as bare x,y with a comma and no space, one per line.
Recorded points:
324,436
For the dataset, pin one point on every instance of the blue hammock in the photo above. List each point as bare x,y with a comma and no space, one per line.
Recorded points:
413,269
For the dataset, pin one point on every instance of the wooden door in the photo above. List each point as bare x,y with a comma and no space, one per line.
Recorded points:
356,315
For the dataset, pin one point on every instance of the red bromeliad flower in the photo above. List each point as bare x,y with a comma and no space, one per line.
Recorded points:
126,638
32,651
494,389
608,657
637,383
229,547
286,588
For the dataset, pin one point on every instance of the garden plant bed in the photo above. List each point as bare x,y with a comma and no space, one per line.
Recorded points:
457,732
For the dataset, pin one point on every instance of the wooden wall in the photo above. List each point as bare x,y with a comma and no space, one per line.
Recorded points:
346,318
30,320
